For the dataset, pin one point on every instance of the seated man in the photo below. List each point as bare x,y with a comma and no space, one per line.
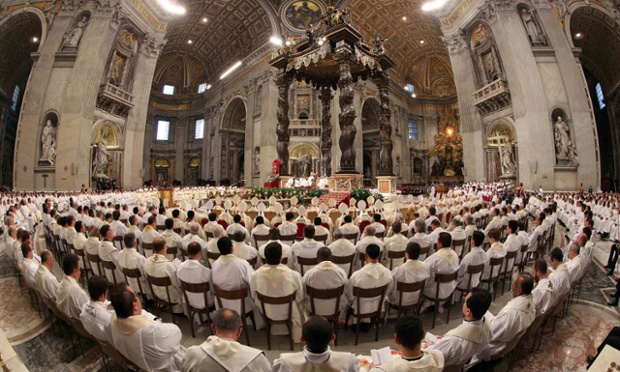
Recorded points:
444,261
194,236
109,253
221,352
434,235
458,233
512,320
544,292
92,247
411,271
212,245
277,280
575,264
476,256
172,238
241,249
341,247
560,276
371,275
306,248
237,226
149,234
496,250
288,227
71,297
149,344
369,239
317,333
349,227
130,258
408,336
319,229
260,228
421,238
287,251
395,243
159,266
472,336
379,228
95,315
30,264
325,275
46,282
192,271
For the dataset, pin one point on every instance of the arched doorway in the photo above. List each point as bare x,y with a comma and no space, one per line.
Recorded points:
598,36
371,144
501,152
20,36
232,134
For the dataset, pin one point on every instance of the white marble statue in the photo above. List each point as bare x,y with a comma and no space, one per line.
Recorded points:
100,162
48,143
531,27
72,38
508,164
561,139
257,161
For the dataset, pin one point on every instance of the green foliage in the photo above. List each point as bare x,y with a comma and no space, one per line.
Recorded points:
363,194
284,193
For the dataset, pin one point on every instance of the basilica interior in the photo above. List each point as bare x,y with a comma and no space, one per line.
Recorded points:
99,94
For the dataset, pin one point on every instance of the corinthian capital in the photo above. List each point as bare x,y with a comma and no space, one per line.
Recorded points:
454,43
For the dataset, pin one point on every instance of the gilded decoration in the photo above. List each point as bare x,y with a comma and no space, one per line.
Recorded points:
194,162
107,134
303,149
448,145
480,34
162,163
298,16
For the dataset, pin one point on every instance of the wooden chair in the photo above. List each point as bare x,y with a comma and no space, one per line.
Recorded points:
321,238
354,237
109,265
380,235
374,315
136,275
534,331
209,235
161,303
456,244
492,280
177,230
288,239
471,271
172,253
344,260
110,352
506,275
392,255
403,288
304,261
94,259
79,328
253,261
424,253
118,242
147,249
160,228
82,254
326,294
440,279
269,322
212,256
260,238
196,288
521,264
237,295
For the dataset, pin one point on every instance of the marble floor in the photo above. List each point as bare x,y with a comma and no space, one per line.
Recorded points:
45,347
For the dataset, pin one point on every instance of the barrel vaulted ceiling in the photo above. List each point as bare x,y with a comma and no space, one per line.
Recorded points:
236,28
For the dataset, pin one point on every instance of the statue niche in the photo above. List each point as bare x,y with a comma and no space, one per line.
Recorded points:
448,145
49,135
532,26
484,50
72,37
565,150
122,60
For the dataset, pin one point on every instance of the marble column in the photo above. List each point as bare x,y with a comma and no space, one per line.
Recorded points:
283,82
385,127
326,131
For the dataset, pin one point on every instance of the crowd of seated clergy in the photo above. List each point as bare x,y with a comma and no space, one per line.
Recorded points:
386,252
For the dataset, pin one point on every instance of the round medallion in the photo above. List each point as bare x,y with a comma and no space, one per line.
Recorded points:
297,16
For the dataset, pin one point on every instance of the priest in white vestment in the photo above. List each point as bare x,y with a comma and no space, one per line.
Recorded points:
150,344
370,238
192,271
422,239
92,247
497,250
544,292
130,258
473,335
221,352
241,249
325,275
512,321
408,336
194,236
575,263
95,316
212,245
277,280
231,273
287,252
412,271
317,333
371,275
341,247
46,282
109,253
476,256
307,248
444,261
30,265
560,276
288,227
395,243
71,297
159,266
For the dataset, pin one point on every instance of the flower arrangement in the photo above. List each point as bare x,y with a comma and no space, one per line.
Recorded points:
271,179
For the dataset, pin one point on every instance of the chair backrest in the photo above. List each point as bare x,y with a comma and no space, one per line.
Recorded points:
363,225
493,262
284,300
321,238
325,294
147,247
300,230
360,293
304,261
444,278
198,288
391,255
109,265
459,243
160,227
213,255
288,238
134,274
209,235
403,288
235,294
343,260
253,261
177,230
260,238
118,240
353,237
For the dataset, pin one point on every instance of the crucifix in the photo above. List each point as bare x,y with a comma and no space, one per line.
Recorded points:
501,141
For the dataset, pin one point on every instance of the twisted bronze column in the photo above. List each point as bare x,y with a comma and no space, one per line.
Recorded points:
385,128
347,111
283,81
326,129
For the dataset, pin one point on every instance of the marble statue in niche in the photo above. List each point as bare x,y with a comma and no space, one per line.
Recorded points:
48,143
305,166
257,161
507,160
565,151
534,31
490,66
72,37
100,161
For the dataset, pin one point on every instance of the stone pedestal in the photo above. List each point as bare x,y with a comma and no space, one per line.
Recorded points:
346,182
386,184
283,180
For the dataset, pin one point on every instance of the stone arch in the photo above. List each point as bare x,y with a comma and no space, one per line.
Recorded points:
232,134
18,15
232,106
371,106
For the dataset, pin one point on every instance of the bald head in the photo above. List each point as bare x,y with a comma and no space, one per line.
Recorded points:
218,231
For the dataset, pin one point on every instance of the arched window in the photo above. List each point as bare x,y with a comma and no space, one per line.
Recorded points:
15,98
599,95
413,129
